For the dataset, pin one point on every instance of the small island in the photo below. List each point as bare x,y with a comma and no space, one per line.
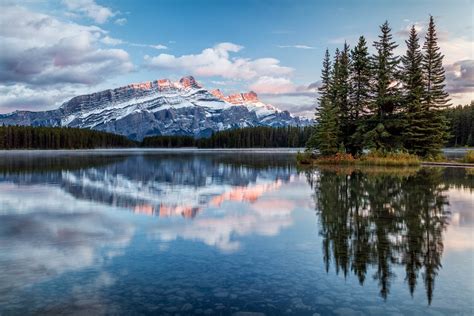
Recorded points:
382,109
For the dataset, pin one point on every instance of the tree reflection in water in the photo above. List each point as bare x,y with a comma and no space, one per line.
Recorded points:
372,219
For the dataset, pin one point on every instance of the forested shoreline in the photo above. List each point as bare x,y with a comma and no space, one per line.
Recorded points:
460,122
28,137
249,137
383,102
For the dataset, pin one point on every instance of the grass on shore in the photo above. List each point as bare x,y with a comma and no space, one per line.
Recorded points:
374,158
469,157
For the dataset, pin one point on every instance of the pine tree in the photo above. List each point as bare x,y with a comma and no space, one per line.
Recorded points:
324,88
385,122
325,76
414,135
435,97
325,136
359,93
343,87
326,131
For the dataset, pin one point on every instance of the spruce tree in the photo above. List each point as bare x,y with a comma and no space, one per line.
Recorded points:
435,97
325,76
326,130
385,125
414,134
325,136
343,88
359,94
324,91
324,88
339,92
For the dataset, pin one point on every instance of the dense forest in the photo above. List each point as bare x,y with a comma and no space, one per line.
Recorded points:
169,141
264,137
28,137
382,101
461,125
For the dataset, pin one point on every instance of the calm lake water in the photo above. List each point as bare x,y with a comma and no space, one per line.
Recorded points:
220,233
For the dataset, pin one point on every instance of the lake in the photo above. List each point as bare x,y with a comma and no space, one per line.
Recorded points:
190,232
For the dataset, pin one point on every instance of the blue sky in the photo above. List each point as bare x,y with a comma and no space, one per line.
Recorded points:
53,50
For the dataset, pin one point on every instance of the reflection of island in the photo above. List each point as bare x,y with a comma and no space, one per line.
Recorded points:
381,220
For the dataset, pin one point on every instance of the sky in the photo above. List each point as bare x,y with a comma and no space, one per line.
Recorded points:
51,51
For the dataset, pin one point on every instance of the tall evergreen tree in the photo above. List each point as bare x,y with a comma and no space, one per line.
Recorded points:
385,129
324,88
326,131
359,93
435,97
339,91
414,135
325,76
343,88
325,136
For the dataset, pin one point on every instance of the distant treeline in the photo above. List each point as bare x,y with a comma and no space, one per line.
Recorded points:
169,141
28,137
250,137
461,125
264,137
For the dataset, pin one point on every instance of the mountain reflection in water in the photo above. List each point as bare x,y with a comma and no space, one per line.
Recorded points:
118,224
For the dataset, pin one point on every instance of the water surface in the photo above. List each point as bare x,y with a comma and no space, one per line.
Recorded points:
219,233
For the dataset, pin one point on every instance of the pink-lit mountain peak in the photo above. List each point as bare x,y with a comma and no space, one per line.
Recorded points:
237,98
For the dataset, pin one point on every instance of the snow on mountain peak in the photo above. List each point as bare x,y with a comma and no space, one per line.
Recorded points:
160,107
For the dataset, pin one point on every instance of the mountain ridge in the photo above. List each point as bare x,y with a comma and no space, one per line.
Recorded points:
159,107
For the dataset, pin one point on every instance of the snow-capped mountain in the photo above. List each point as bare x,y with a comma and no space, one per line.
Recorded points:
159,107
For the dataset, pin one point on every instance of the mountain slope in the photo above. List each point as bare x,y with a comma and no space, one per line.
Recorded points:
159,107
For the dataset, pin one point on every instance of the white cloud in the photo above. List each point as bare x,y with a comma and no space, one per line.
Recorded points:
91,9
272,85
121,21
111,41
107,40
216,61
157,46
405,30
39,50
298,46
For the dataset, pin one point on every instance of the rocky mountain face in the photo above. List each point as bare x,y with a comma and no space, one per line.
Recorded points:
159,107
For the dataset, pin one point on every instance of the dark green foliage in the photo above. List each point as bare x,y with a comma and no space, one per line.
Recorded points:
359,96
375,103
434,97
416,138
340,91
325,134
169,141
28,137
325,77
386,93
326,131
263,137
461,125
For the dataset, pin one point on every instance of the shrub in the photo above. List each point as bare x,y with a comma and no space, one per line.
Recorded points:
469,157
389,159
337,159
